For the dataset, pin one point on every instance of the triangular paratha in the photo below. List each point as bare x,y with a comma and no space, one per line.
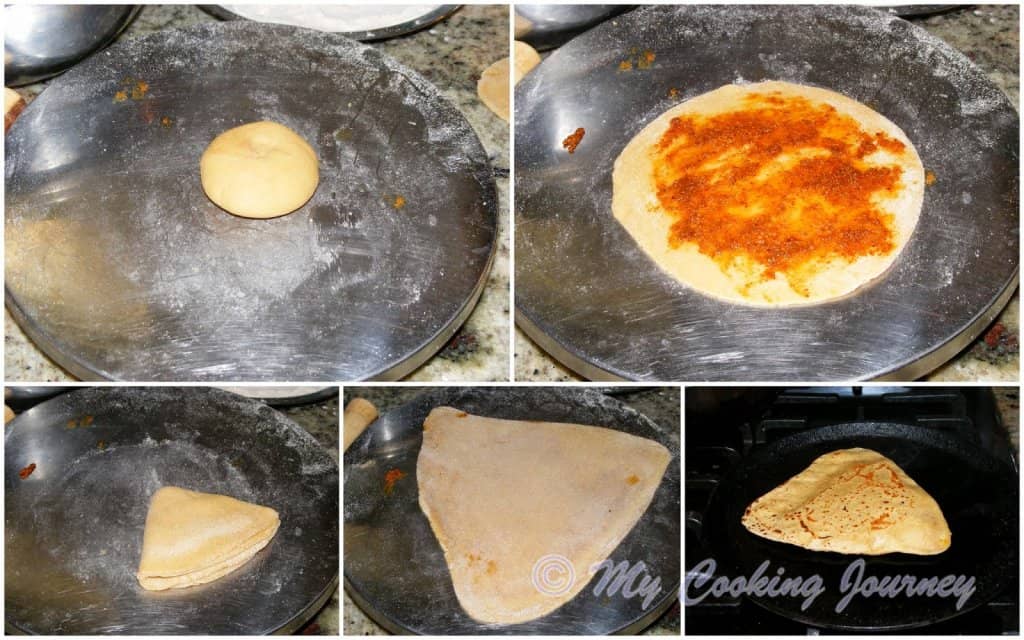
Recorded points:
853,501
515,505
192,538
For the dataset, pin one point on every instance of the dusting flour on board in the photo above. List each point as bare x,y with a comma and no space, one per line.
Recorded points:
334,18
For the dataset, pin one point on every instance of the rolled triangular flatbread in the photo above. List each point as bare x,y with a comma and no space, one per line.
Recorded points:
853,501
192,538
523,510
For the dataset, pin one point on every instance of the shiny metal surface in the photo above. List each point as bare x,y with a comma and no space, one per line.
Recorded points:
73,528
545,26
920,10
41,40
119,266
424,21
394,567
589,296
284,396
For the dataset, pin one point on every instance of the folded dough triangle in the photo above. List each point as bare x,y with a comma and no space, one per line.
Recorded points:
516,504
851,501
192,538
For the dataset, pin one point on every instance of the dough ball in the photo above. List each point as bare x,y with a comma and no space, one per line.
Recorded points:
259,170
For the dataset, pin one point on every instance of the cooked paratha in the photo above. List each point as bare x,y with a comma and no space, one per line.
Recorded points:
523,509
853,501
770,194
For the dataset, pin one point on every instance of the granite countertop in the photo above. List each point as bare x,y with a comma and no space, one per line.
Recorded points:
451,54
661,405
989,36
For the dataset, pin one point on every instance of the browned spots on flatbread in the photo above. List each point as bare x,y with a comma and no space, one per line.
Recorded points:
856,502
633,479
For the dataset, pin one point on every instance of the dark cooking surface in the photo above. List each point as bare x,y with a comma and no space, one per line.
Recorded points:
947,442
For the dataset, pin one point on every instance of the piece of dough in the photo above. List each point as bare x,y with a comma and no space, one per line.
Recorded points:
524,59
493,88
514,502
851,501
770,194
259,170
493,85
14,104
192,538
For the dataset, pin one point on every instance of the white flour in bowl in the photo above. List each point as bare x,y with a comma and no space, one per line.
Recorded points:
334,18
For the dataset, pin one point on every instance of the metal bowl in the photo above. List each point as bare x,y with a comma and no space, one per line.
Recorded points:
546,26
424,21
40,41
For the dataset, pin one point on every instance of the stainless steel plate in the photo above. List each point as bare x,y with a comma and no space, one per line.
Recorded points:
73,528
424,21
587,294
119,266
394,567
41,40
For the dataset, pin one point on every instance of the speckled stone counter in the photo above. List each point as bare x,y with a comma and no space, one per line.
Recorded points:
451,54
661,405
989,36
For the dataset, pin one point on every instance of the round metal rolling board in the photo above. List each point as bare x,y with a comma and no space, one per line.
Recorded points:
118,265
394,568
73,527
589,296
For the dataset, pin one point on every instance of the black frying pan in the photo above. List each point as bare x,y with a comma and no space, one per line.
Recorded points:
976,492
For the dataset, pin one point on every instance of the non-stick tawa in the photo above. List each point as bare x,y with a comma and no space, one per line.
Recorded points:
119,266
395,568
592,298
73,528
977,495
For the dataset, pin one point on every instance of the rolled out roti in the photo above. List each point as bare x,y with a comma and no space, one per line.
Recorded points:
853,501
770,194
523,510
192,538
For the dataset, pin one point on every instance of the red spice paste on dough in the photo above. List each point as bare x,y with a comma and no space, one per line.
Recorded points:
782,182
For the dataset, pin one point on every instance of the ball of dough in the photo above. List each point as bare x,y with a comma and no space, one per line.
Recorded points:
259,170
